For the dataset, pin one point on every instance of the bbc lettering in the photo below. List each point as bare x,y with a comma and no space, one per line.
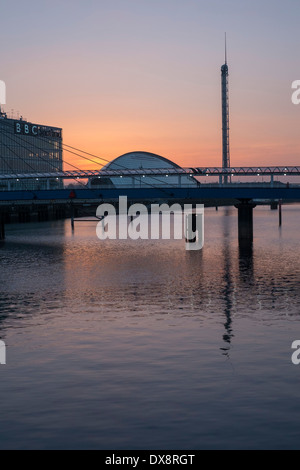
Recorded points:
26,129
33,130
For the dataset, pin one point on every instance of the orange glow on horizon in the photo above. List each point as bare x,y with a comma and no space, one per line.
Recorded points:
191,150
147,76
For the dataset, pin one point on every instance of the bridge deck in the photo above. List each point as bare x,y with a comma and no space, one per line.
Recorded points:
194,171
203,192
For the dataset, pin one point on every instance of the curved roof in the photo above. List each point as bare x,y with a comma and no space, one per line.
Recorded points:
140,159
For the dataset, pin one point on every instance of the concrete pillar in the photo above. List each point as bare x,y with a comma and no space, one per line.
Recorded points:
245,220
72,212
274,206
280,213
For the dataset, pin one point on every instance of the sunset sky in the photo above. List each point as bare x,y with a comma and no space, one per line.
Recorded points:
125,75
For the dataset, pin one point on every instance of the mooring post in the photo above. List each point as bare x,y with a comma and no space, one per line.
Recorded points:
72,217
280,213
245,220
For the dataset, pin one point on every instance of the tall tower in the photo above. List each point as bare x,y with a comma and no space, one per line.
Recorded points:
225,115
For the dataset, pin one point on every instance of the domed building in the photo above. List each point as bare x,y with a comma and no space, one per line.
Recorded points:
140,161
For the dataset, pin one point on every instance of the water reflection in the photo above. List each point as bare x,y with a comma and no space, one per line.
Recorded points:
32,274
43,265
109,341
228,290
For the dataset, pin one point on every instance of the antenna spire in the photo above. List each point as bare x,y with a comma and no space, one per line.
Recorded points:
225,117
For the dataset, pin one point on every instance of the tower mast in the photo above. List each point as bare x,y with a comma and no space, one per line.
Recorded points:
225,116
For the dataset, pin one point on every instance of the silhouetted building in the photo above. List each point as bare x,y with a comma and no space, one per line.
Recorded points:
29,148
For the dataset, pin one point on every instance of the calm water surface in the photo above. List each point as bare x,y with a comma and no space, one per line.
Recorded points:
131,345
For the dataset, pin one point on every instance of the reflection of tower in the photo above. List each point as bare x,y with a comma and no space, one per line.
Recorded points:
228,290
225,115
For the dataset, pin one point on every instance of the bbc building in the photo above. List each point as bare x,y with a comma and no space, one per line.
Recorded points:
29,148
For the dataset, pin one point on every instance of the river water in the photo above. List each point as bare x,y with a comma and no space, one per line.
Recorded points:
143,345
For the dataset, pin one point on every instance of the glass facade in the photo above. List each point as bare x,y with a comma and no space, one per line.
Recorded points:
138,161
29,148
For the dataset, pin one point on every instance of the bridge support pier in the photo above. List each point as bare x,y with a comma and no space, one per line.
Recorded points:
274,206
245,220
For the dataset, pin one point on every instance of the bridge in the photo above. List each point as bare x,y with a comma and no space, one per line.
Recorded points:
269,171
244,195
